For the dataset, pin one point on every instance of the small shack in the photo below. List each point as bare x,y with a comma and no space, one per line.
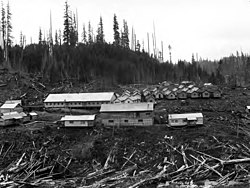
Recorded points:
170,95
204,93
187,119
193,94
181,95
158,95
150,98
78,120
11,107
216,94
33,115
132,114
10,118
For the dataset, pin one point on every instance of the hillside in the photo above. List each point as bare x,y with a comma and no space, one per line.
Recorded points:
214,154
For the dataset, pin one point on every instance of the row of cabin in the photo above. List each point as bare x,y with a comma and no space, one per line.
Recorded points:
79,100
129,97
181,93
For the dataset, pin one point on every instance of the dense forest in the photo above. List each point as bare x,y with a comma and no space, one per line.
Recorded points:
90,57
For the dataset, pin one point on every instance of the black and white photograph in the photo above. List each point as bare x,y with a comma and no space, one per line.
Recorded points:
125,94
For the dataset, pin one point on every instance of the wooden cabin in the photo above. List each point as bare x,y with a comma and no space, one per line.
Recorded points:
158,95
193,94
181,95
133,114
11,107
188,119
33,115
78,120
136,99
205,94
146,92
128,100
170,95
150,98
216,94
10,118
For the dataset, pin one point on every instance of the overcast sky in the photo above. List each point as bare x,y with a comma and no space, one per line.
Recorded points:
211,28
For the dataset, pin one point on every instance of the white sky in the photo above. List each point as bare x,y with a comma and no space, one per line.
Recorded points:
211,28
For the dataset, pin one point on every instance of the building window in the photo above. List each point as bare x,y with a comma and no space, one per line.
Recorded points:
126,121
111,121
140,120
148,113
82,122
71,122
137,114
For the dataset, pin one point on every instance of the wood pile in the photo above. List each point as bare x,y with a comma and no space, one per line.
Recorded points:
33,169
182,164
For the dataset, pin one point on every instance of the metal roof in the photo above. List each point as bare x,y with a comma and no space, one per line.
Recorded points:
78,118
248,107
187,115
13,101
79,97
127,107
33,113
11,115
9,105
23,114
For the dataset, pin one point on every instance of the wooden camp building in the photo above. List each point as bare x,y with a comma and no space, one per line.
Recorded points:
187,119
78,120
79,100
133,114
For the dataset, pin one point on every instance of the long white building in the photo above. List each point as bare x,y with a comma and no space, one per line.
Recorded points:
176,120
78,120
79,100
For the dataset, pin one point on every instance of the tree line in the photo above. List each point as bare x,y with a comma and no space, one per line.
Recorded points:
91,57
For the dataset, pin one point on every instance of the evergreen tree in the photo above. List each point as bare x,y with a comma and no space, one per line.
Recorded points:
84,35
21,39
90,34
67,21
116,31
60,37
56,39
100,33
3,25
125,37
73,32
138,46
40,36
9,26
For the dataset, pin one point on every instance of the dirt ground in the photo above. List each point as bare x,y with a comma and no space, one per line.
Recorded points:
73,154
